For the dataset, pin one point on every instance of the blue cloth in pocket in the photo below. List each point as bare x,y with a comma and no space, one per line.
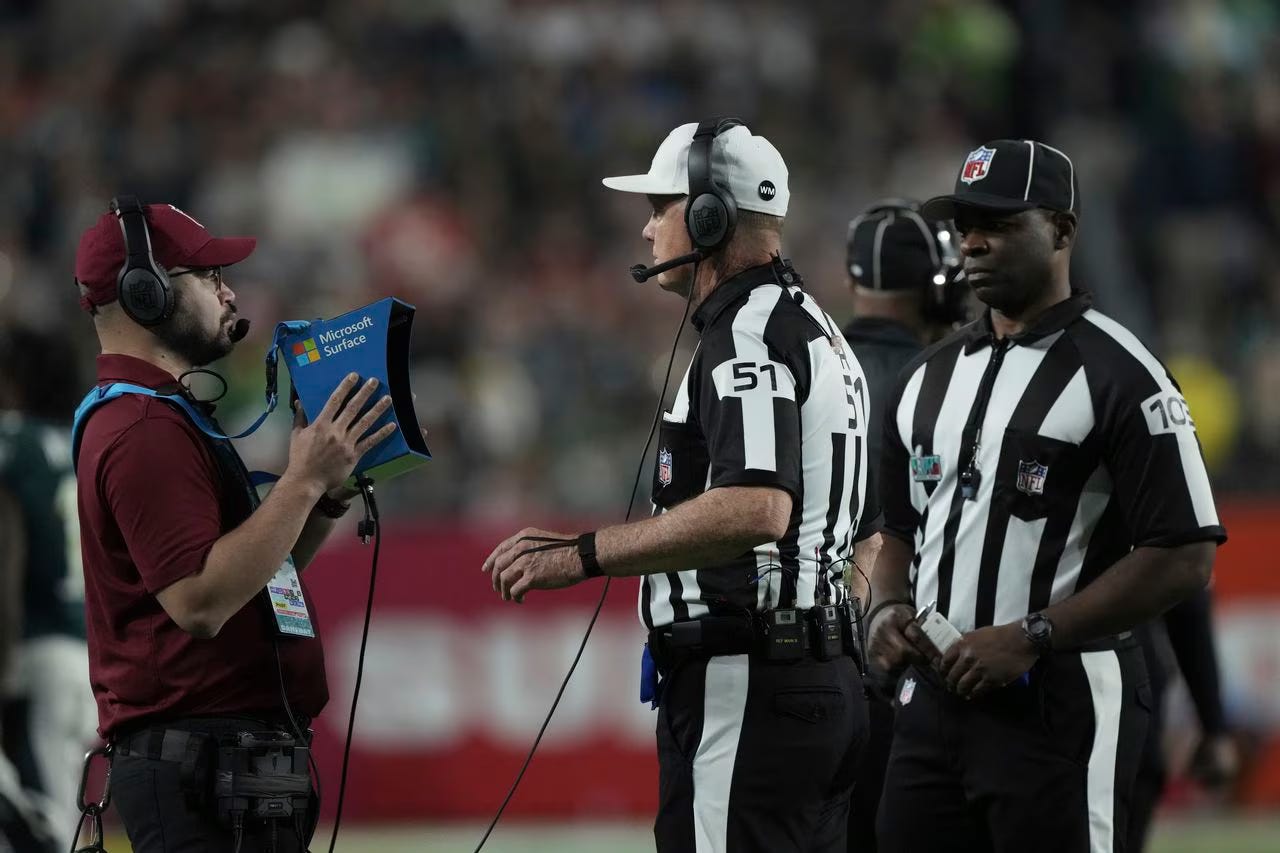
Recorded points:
650,685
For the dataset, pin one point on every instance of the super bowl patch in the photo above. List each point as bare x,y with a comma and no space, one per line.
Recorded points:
926,469
1031,477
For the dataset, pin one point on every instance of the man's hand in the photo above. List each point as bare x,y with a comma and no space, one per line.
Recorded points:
343,493
986,659
895,641
516,566
327,450
1216,762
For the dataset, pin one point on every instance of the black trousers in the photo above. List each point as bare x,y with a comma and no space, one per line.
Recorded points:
147,795
865,802
1152,772
1046,766
758,756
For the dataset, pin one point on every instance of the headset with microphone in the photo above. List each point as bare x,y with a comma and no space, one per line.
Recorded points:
944,297
143,286
711,215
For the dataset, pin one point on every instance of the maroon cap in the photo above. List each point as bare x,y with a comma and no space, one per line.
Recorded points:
177,240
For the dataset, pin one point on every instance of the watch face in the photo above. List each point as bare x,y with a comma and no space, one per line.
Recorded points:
1038,629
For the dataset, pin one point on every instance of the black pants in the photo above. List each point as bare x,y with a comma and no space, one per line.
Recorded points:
1152,772
1046,766
865,802
758,756
147,795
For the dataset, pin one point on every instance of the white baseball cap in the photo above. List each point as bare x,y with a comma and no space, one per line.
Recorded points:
748,166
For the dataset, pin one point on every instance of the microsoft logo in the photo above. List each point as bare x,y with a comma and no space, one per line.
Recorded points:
304,352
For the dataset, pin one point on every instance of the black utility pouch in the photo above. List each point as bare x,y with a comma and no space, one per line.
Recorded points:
786,634
261,776
825,634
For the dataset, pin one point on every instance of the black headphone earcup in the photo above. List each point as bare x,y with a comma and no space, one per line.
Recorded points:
145,297
710,220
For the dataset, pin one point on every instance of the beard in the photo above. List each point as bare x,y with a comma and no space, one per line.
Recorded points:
184,335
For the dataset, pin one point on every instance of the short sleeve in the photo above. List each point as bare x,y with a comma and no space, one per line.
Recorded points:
1149,442
751,421
162,490
894,481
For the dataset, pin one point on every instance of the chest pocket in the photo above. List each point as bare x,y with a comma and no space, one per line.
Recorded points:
1038,473
681,468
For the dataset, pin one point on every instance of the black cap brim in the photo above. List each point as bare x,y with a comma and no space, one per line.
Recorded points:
944,206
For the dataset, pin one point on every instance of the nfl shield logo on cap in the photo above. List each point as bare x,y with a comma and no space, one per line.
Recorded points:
977,164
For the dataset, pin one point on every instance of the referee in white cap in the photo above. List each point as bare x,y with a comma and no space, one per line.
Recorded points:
1044,490
759,496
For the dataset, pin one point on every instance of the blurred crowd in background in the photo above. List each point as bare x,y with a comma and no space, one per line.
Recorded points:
450,153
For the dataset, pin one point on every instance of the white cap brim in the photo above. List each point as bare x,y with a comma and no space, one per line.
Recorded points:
647,184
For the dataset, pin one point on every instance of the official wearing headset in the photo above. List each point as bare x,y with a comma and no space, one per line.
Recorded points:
178,551
904,274
759,496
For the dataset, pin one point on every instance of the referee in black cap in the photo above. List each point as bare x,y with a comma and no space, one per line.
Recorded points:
1044,492
903,272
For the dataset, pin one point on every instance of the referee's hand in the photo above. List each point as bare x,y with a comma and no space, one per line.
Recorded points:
533,559
894,641
987,659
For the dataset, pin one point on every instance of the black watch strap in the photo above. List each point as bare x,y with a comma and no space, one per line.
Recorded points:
587,553
331,507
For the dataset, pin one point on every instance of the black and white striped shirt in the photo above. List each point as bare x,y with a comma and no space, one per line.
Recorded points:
1082,448
773,396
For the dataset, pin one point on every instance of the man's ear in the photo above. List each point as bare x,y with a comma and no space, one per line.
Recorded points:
1064,229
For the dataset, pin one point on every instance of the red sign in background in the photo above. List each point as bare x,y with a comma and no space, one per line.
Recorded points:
457,681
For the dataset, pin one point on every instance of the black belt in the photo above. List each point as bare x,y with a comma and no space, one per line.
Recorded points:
172,740
708,637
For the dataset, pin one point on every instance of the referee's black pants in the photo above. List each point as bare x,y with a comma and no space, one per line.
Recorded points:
757,756
1046,766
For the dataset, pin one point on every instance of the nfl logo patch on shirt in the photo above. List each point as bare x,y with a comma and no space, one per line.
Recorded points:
1031,476
977,164
664,467
926,469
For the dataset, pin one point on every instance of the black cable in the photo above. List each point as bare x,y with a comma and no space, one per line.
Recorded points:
369,527
297,729
657,417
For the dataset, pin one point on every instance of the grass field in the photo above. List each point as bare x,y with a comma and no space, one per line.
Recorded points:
1234,835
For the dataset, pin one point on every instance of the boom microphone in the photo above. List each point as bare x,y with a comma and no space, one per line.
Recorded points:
641,273
239,330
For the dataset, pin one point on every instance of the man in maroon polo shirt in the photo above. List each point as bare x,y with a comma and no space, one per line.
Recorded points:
177,552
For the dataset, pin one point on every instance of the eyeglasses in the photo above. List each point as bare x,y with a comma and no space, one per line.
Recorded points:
213,274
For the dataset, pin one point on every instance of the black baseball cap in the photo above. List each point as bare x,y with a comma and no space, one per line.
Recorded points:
1009,176
890,246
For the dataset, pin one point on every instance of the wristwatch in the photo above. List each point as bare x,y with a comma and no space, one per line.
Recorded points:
331,507
1039,632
